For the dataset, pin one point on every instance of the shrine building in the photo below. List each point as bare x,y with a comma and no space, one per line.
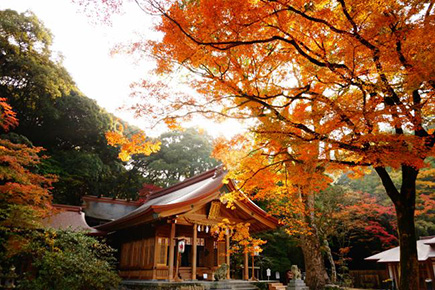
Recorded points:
179,219
425,256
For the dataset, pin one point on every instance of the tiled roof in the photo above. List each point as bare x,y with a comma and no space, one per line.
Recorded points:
188,190
67,217
107,209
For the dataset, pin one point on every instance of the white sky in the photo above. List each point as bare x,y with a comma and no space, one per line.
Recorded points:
86,50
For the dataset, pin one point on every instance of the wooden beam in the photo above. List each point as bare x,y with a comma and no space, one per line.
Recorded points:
246,267
261,219
194,248
183,222
227,249
188,207
171,251
201,218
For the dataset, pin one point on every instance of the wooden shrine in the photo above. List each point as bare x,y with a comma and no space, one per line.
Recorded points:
426,261
148,237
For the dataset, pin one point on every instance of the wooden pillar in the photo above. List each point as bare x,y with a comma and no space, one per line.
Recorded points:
396,275
177,266
430,267
390,271
194,249
171,251
246,267
253,268
227,238
156,244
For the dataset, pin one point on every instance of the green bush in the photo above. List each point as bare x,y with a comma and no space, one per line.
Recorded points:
68,260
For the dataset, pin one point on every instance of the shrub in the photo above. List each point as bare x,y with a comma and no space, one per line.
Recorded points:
68,260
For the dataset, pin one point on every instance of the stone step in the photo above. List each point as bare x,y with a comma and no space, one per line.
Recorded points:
234,285
276,286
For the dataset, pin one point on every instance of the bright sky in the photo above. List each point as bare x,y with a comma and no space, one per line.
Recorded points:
86,50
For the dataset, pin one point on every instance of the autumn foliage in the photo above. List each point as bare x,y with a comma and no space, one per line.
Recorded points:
341,83
272,174
347,78
369,220
135,144
239,235
24,194
8,116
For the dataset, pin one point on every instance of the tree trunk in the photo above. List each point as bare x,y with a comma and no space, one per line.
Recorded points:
405,210
314,265
331,261
404,202
315,270
408,249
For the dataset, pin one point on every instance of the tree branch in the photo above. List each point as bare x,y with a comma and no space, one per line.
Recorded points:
390,188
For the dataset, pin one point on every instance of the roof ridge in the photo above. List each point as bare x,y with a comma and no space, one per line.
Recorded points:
426,237
214,172
111,200
67,207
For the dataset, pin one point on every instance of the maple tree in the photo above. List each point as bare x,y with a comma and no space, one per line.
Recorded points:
425,209
358,214
288,186
352,226
137,143
350,75
239,233
57,257
24,194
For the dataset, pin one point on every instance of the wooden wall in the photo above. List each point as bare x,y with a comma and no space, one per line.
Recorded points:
137,254
368,278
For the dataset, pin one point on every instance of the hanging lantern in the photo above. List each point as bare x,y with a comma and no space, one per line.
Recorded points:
207,229
199,228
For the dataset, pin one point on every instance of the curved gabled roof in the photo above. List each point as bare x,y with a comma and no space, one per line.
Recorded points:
179,195
71,218
180,198
430,241
107,208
